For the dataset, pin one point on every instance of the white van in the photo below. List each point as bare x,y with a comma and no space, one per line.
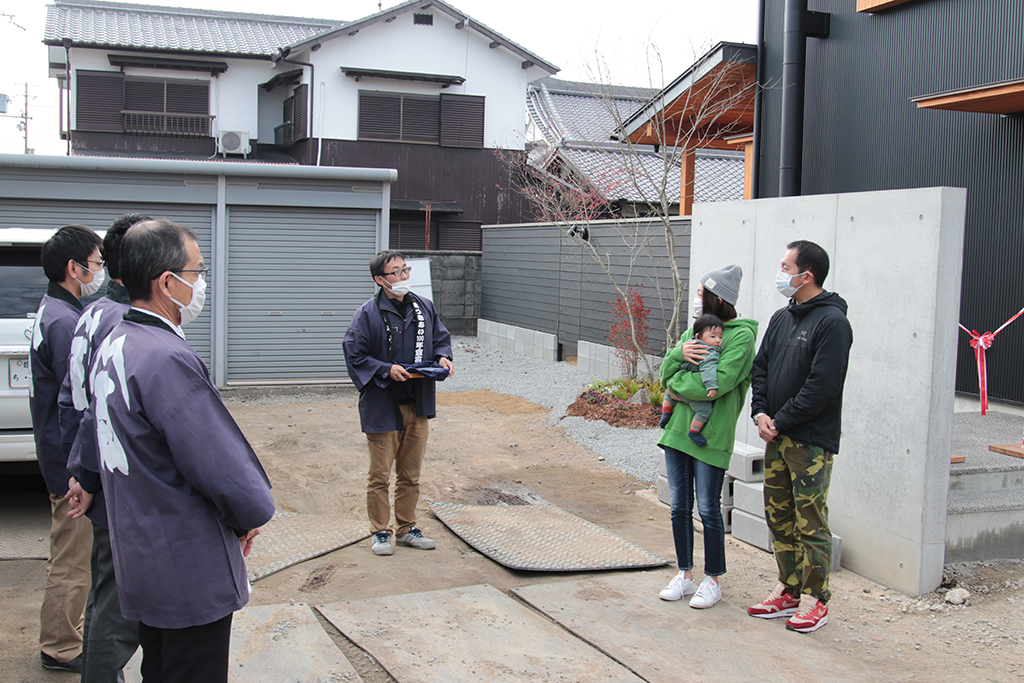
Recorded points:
22,285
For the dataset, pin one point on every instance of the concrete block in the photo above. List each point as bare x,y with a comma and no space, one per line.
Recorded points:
663,494
727,511
520,346
837,552
751,529
662,470
747,463
750,497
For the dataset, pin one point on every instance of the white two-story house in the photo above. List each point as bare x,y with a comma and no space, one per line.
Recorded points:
420,87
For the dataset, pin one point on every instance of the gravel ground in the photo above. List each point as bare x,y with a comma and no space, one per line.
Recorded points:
553,385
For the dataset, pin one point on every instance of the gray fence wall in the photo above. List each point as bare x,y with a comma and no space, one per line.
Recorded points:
456,283
536,276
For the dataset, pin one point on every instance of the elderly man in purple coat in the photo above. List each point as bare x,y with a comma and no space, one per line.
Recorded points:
393,330
185,492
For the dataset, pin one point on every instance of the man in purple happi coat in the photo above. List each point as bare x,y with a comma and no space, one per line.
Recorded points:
109,640
185,492
393,329
71,261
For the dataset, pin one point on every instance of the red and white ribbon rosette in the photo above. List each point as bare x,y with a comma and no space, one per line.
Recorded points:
981,342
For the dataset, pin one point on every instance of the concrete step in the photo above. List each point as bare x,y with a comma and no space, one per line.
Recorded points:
985,525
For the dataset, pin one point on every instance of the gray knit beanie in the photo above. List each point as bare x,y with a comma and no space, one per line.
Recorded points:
724,283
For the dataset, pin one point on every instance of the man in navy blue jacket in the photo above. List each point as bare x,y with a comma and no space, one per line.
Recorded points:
393,329
71,261
797,404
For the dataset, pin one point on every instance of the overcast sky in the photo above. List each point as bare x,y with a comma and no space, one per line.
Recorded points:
572,35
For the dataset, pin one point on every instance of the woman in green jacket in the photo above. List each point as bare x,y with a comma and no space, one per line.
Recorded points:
689,466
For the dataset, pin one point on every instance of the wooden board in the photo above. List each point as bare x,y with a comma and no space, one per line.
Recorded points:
469,635
1014,449
277,643
668,642
956,458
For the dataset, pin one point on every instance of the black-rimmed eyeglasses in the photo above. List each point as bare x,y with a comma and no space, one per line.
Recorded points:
204,272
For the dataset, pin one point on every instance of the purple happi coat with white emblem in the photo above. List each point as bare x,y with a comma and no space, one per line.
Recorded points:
181,481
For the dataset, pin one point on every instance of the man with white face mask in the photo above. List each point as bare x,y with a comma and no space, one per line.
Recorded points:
185,493
71,261
393,329
797,403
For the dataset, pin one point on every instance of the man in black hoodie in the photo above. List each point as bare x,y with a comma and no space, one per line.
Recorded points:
797,403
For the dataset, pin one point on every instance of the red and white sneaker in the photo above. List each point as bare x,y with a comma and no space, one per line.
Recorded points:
812,615
779,603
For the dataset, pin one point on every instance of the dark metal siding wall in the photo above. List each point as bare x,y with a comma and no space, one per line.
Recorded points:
862,133
536,277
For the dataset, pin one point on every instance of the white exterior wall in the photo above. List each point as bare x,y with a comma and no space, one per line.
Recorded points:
495,74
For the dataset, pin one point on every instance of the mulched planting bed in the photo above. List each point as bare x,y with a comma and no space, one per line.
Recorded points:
596,405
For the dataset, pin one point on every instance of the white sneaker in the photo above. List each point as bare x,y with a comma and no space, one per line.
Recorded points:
708,593
678,587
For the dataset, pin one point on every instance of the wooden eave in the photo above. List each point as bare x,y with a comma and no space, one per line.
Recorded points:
878,5
720,104
1004,97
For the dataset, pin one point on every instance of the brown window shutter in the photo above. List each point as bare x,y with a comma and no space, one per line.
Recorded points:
99,99
188,97
380,115
144,94
421,119
300,107
462,121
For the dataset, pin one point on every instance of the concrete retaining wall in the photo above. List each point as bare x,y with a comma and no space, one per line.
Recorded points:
519,339
455,279
896,259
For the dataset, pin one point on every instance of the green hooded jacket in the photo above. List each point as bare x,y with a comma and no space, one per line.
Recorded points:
733,381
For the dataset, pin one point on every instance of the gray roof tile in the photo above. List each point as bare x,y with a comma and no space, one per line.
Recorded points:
128,26
576,121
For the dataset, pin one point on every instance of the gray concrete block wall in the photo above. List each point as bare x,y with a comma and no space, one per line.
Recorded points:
520,340
890,479
455,280
601,362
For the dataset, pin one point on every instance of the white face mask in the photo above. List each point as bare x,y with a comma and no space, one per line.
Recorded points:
400,288
697,307
97,281
195,306
782,283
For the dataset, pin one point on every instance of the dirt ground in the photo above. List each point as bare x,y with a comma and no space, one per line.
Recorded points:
488,449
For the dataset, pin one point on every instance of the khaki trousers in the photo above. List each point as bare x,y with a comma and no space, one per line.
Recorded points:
404,451
67,583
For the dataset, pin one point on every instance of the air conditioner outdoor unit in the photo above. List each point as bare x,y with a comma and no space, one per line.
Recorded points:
234,142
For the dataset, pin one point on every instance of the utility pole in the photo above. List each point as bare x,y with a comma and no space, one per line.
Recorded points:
24,119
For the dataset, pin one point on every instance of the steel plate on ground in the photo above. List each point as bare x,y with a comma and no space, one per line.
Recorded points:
541,538
667,642
24,526
291,537
277,643
468,634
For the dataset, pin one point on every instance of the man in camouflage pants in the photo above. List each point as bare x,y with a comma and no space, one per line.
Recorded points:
796,403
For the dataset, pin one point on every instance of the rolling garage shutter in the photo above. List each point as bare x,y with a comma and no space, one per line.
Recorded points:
99,215
296,276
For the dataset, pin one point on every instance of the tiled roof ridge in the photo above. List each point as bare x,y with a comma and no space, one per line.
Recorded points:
195,12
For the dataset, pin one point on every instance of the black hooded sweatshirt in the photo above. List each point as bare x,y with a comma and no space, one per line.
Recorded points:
800,370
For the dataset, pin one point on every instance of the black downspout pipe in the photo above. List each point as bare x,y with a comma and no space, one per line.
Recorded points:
312,87
794,58
755,176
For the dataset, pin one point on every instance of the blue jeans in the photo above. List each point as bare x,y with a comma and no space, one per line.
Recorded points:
686,474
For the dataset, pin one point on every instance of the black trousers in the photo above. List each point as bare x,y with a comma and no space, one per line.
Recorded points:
197,654
110,640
